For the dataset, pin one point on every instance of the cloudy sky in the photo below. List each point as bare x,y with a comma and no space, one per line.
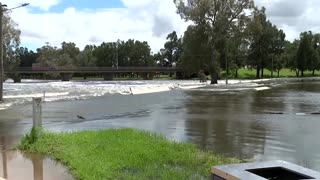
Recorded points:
94,21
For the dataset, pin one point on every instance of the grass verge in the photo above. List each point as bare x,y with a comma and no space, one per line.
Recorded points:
123,154
251,74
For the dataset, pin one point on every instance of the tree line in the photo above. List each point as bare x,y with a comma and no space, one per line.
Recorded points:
111,54
224,35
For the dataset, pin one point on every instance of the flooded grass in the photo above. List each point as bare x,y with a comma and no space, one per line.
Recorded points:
124,154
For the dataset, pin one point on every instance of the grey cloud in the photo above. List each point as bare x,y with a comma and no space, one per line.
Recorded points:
31,34
95,39
161,26
288,8
295,15
151,12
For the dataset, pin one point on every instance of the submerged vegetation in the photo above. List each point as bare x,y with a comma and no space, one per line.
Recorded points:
123,154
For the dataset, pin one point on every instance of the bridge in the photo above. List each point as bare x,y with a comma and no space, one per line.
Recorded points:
108,72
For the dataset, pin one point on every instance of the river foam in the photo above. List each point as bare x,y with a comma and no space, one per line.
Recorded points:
15,94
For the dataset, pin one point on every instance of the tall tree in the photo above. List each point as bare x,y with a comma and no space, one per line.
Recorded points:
305,52
47,55
266,44
260,30
314,63
139,53
54,57
290,54
159,58
237,47
129,53
276,50
105,54
11,35
85,58
217,17
172,48
196,54
27,58
70,50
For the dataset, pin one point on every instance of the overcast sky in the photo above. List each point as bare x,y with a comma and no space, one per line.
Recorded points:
94,21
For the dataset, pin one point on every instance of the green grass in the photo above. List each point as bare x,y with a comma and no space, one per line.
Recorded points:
123,154
251,73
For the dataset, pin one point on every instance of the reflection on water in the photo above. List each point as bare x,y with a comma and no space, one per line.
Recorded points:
18,166
237,124
261,125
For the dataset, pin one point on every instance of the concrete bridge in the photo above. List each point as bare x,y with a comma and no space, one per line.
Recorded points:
108,72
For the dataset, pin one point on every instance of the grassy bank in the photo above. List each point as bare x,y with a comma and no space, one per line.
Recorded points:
123,154
243,73
251,73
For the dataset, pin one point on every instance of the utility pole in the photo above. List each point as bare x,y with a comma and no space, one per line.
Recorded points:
1,52
2,10
117,55
272,66
4,158
272,56
226,57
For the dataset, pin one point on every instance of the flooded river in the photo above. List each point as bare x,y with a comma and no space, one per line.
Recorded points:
265,121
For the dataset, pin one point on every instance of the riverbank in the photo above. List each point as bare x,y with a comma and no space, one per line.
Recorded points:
243,74
123,154
247,73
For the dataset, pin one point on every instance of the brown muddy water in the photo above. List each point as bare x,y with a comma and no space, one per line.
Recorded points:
16,166
280,123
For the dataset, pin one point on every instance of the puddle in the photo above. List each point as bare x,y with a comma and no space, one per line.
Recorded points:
18,166
21,166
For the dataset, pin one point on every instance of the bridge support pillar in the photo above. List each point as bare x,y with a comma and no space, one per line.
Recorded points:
108,76
66,76
148,76
16,78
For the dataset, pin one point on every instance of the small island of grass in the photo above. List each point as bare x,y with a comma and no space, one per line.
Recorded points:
123,154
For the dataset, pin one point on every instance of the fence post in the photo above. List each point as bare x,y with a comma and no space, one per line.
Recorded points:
37,112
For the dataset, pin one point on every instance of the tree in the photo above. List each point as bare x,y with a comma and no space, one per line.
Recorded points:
138,53
54,57
105,54
85,58
11,38
141,54
172,48
129,53
196,54
314,63
47,55
159,58
290,54
266,44
27,58
305,52
277,49
260,32
239,53
217,17
237,47
70,50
